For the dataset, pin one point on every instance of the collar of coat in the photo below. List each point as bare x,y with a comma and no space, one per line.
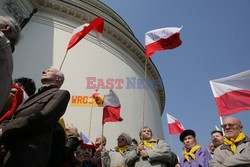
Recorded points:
225,147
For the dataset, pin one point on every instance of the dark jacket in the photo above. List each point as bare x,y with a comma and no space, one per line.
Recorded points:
71,144
29,133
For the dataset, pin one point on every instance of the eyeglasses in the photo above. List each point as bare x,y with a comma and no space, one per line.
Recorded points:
228,125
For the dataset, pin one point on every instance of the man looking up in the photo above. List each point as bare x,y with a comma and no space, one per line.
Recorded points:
29,134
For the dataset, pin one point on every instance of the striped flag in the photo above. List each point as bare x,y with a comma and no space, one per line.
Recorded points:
112,107
162,39
85,142
232,94
174,126
80,32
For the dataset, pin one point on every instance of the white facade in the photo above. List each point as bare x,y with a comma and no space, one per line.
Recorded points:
119,56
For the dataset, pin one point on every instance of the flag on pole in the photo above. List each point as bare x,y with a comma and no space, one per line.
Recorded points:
95,93
80,32
232,94
112,107
174,126
216,127
85,142
162,39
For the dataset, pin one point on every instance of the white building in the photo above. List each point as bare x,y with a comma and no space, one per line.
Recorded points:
120,56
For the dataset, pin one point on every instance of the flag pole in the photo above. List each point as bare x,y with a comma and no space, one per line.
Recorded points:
144,92
63,60
90,119
221,122
102,124
170,141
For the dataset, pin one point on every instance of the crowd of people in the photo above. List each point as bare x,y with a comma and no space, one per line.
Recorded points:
34,134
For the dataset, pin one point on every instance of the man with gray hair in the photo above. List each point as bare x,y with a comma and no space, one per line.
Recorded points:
235,151
29,134
9,37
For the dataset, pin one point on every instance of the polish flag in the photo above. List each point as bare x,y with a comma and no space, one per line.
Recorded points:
80,32
112,107
17,99
232,94
174,126
162,39
85,142
95,93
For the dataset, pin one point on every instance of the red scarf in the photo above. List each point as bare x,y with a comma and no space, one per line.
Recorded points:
16,101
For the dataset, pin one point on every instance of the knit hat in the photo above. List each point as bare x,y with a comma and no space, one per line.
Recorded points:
127,137
186,133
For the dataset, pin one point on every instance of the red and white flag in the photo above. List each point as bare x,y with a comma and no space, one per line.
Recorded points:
232,94
112,107
162,39
80,32
85,142
174,126
95,93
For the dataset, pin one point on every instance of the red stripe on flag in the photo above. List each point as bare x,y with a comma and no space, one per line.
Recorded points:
111,114
175,128
171,42
97,25
233,102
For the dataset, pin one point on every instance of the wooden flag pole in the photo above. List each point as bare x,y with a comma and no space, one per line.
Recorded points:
144,92
90,120
102,132
63,60
170,141
102,123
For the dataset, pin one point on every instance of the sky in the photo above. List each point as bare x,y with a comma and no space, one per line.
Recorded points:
215,38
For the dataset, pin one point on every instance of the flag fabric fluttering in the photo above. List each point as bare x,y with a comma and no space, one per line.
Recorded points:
162,39
95,93
112,107
174,126
85,142
232,94
80,32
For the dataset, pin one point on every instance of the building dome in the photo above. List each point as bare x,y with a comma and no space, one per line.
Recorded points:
47,29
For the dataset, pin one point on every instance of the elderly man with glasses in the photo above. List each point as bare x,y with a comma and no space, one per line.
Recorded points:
235,151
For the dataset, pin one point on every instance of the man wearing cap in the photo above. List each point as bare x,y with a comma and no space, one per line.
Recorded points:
83,155
194,155
235,151
116,156
149,152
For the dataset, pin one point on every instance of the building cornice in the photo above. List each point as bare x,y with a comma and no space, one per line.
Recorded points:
115,29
